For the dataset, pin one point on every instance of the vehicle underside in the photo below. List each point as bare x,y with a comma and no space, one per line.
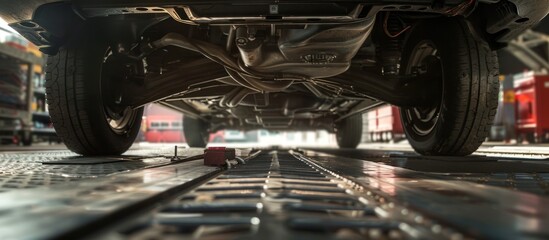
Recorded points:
280,65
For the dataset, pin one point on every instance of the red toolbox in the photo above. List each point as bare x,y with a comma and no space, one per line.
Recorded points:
216,156
532,113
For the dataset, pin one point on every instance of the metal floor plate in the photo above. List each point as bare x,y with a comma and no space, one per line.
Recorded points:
30,170
481,211
506,170
82,208
279,194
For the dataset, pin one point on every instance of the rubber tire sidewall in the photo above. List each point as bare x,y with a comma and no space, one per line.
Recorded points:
195,131
458,64
75,99
349,131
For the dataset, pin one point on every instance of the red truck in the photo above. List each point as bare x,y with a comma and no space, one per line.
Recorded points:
384,124
532,114
163,125
164,128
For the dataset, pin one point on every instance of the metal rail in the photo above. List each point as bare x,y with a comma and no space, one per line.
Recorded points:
477,211
281,194
77,209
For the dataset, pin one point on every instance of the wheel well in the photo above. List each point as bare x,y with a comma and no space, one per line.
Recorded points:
53,24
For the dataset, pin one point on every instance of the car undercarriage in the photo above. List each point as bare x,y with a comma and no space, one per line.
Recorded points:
280,65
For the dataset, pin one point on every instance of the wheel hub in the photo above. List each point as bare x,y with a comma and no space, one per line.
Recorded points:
120,122
425,62
115,74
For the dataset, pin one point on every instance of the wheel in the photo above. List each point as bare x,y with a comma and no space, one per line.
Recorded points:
530,138
26,138
461,114
349,131
544,137
520,138
195,131
84,83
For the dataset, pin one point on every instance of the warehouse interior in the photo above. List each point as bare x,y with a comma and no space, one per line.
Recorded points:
278,183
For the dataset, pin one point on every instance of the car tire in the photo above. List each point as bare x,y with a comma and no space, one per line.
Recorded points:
461,115
26,138
520,138
195,131
349,131
79,88
530,138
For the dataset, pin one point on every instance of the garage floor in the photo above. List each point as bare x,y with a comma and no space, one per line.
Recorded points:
380,191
